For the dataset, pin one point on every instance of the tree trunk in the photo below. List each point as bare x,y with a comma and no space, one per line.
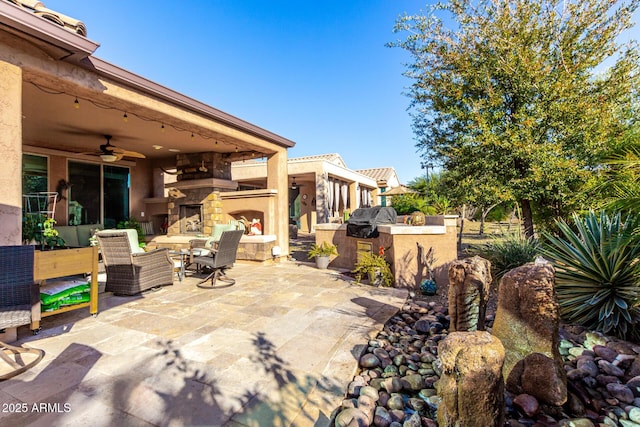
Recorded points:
527,218
483,217
461,226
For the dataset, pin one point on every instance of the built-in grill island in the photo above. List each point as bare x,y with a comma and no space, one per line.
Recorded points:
364,222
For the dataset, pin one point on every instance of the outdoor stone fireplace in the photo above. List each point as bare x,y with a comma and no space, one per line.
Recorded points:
194,200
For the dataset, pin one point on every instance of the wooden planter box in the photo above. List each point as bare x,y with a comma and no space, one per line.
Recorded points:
60,263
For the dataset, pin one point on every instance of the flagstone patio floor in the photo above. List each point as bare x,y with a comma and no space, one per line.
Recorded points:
276,349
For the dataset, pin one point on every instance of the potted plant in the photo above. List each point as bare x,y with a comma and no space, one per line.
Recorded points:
49,238
375,267
322,254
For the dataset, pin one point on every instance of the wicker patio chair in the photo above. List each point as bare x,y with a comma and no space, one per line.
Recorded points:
130,273
18,295
220,259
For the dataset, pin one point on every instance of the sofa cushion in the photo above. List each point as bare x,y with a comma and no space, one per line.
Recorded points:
69,234
85,232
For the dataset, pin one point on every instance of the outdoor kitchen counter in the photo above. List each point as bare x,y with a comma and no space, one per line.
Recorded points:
400,242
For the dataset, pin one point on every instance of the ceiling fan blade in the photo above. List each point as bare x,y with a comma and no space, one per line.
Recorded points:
132,154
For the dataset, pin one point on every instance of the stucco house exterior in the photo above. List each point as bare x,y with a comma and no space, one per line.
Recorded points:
321,187
64,110
386,179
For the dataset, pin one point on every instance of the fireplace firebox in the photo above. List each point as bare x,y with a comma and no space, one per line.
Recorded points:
191,219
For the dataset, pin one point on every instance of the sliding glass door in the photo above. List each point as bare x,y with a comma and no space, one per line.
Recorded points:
98,194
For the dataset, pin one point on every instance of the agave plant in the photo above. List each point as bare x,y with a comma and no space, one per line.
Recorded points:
598,272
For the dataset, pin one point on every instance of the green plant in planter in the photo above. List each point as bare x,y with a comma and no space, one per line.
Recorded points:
321,253
49,236
374,265
32,227
323,249
597,262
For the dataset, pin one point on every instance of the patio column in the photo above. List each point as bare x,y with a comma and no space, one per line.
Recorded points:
277,178
11,149
353,196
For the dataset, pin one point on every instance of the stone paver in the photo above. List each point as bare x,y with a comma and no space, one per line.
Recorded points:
277,349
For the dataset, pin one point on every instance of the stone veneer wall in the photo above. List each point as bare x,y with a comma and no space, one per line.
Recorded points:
211,209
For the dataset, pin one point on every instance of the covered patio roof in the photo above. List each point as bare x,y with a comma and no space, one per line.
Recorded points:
156,116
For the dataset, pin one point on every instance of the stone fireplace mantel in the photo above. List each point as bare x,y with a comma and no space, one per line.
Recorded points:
193,184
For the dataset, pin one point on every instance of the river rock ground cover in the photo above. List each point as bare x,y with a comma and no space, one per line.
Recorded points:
395,384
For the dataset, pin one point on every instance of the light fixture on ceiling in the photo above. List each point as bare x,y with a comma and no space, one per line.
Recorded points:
76,104
108,157
293,184
125,118
203,168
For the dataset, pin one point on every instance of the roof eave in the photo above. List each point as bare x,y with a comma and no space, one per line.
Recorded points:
138,82
20,19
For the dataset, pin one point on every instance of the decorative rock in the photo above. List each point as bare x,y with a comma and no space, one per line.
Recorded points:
634,414
381,417
577,422
527,403
620,392
413,382
634,369
392,385
395,402
422,326
371,392
594,338
527,321
413,421
368,406
382,356
471,361
418,405
628,423
610,369
469,281
351,417
605,352
397,415
369,360
587,364
355,385
634,385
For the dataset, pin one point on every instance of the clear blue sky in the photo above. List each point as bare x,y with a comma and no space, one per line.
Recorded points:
317,73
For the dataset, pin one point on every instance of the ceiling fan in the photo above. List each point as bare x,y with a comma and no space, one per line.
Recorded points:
111,153
294,185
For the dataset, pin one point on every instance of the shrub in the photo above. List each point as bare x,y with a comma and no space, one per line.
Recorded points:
507,252
323,249
372,264
133,223
598,271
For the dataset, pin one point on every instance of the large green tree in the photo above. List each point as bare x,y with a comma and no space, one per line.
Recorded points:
524,94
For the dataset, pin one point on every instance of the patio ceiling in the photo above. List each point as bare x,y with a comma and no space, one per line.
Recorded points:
50,120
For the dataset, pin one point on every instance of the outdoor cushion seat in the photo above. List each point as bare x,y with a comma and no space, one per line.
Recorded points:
220,258
129,269
18,296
